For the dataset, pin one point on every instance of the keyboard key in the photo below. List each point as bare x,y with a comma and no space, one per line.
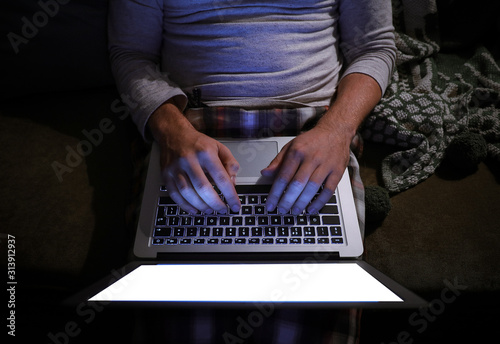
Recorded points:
260,210
243,231
213,241
337,241
254,241
322,240
246,210
314,220
158,241
281,240
289,220
275,220
240,241
204,231
165,200
329,209
186,220
331,220
162,232
322,231
250,221
226,241
199,241
296,231
173,221
256,232
309,240
243,199
171,241
185,241
199,221
263,220
230,231
224,221
178,232
283,231
335,231
237,221
263,199
217,231
268,241
301,220
212,221
309,231
161,221
253,199
192,231
270,231
295,240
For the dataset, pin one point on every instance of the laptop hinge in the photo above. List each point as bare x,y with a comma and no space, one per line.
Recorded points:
247,257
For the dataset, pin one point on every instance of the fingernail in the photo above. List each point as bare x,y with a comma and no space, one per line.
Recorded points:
235,208
270,206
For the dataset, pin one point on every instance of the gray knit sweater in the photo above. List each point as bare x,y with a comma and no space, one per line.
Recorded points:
246,53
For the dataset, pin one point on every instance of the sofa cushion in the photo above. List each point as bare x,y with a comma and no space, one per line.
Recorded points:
65,183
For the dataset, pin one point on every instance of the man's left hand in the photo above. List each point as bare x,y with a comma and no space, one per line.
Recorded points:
312,162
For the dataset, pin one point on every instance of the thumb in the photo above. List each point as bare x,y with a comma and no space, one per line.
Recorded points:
229,162
273,167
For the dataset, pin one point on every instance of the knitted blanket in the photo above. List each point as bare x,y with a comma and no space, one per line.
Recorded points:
432,98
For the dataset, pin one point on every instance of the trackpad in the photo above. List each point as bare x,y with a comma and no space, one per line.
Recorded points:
253,156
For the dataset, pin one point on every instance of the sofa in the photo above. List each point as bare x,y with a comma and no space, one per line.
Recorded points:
70,179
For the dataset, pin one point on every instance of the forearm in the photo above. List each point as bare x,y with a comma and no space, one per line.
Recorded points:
357,95
135,31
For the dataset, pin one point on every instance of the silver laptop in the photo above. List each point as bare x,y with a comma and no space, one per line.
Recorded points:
164,229
249,258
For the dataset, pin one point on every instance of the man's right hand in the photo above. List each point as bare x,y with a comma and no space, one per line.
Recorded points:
191,161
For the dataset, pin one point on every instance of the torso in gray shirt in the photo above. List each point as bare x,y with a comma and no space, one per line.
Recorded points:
247,53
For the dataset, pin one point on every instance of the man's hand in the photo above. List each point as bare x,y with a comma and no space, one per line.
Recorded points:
190,160
313,159
319,156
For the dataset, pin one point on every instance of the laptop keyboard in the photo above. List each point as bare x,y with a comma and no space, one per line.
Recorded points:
252,225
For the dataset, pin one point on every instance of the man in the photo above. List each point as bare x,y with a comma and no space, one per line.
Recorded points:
252,55
335,55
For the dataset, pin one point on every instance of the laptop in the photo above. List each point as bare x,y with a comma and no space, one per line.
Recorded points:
249,257
165,230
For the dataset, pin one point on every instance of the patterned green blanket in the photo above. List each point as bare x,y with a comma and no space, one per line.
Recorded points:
433,97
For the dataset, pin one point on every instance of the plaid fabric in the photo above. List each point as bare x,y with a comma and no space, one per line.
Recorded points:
236,122
262,323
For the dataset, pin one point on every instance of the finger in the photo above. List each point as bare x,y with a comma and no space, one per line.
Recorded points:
325,194
225,182
283,178
305,197
272,169
296,187
202,186
188,196
177,197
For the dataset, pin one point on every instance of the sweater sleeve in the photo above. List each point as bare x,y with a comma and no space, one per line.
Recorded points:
367,39
135,29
